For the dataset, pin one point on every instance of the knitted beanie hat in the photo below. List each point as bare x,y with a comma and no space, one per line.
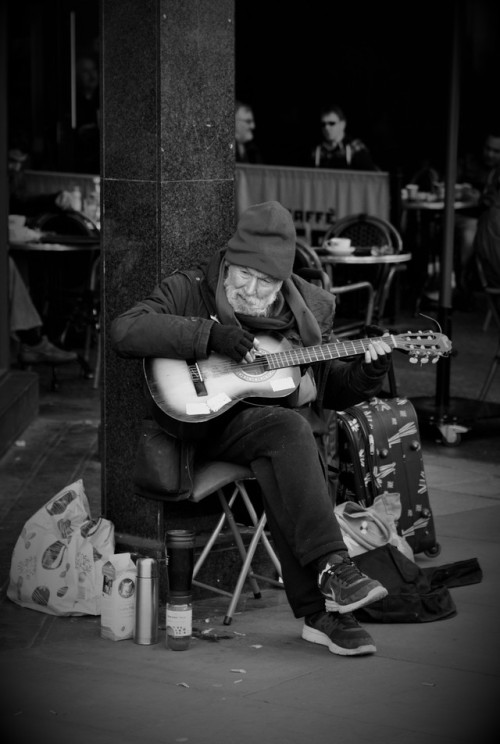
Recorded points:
264,240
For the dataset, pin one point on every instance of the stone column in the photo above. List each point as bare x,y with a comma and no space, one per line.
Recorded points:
168,188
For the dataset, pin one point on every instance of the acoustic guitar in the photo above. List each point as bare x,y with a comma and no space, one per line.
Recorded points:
198,390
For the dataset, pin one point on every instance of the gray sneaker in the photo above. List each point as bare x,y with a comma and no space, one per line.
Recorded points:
45,353
345,588
341,633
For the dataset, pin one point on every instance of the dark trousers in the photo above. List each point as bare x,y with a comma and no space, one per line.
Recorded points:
279,446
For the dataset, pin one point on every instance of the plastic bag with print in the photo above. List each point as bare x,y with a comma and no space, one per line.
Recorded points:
57,561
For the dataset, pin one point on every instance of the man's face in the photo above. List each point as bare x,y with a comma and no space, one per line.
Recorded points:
332,128
244,125
15,165
491,152
87,73
250,292
16,160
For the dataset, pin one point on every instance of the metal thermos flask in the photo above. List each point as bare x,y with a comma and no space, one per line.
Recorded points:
147,601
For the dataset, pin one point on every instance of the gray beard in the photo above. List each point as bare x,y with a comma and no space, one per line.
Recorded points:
254,308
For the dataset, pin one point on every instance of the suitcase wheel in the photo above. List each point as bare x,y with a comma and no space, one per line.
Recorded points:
434,551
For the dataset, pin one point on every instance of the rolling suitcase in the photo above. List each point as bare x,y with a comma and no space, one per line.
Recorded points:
380,451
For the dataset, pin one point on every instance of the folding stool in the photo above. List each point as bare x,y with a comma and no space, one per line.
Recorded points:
211,478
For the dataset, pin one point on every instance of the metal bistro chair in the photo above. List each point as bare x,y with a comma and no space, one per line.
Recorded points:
492,295
86,317
308,265
367,231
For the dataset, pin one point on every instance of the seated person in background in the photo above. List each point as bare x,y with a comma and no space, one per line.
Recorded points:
475,170
487,237
246,151
337,150
247,287
25,322
27,326
426,177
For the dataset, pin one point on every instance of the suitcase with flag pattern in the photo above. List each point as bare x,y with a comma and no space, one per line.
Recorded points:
380,451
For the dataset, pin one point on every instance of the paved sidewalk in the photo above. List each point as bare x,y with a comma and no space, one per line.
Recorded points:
435,682
255,680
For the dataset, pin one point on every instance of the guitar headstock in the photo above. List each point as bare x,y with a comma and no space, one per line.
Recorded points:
423,345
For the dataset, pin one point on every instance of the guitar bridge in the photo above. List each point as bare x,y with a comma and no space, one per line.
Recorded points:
197,378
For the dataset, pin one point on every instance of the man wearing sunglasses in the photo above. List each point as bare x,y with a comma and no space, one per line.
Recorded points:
337,150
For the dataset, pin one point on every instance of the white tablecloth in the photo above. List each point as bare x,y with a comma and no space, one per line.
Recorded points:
316,197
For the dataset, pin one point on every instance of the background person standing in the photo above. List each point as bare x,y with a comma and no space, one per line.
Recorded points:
246,151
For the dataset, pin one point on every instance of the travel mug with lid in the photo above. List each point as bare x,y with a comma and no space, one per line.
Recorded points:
180,561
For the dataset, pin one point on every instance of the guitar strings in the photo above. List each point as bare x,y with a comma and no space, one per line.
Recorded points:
295,357
320,352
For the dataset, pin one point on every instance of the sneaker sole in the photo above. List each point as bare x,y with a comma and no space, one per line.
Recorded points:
378,592
316,636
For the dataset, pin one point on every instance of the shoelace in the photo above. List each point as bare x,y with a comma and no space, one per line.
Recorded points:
346,571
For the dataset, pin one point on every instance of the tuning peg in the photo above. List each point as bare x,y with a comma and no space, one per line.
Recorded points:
413,360
435,359
424,359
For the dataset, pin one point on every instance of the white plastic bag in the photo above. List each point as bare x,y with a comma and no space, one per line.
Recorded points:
57,561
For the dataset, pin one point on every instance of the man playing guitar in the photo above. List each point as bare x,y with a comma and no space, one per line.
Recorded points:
247,289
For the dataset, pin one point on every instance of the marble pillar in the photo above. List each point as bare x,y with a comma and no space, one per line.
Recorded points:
167,184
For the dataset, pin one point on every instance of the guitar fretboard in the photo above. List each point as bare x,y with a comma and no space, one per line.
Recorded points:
321,353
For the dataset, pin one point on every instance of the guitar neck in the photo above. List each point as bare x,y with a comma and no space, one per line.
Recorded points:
322,352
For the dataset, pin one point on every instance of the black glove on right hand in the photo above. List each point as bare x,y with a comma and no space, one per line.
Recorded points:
375,331
232,341
378,367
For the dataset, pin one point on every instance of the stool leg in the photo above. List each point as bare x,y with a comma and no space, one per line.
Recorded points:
254,518
208,547
489,378
239,542
487,319
160,522
245,571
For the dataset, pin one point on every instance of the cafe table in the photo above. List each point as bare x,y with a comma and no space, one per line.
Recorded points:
33,256
55,267
386,265
424,235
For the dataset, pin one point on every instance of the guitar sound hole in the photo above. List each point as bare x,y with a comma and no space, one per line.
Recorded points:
254,372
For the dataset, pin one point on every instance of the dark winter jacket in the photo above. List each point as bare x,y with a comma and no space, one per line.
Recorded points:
174,322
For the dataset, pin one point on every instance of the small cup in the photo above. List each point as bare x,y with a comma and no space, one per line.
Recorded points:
338,245
412,191
17,220
440,190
